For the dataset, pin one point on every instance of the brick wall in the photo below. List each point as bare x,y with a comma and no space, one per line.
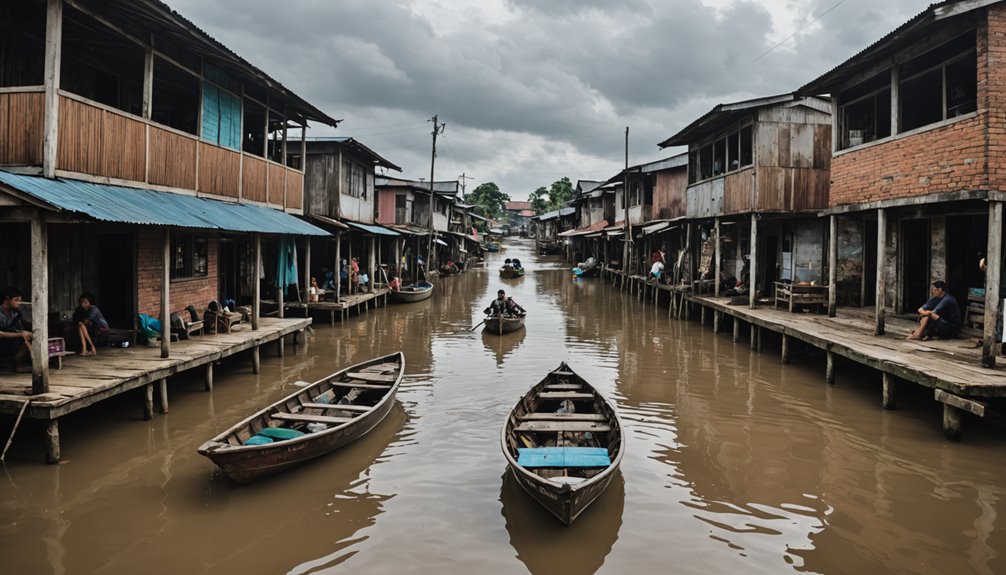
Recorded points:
197,292
949,158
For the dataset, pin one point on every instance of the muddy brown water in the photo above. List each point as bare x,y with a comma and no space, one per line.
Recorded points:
733,462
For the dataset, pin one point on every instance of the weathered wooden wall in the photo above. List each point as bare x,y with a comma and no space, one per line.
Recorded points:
100,142
277,184
172,157
253,179
21,124
669,194
705,199
219,171
793,159
738,193
321,185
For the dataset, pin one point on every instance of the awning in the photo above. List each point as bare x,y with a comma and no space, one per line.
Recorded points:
372,229
615,234
328,221
439,241
594,227
150,207
655,228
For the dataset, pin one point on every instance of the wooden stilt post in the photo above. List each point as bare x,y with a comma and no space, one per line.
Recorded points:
753,266
166,296
832,265
40,305
881,284
755,337
993,261
208,379
785,348
307,274
52,441
702,315
888,397
163,396
53,53
717,265
257,283
148,402
338,266
951,422
256,359
737,330
371,268
717,318
829,369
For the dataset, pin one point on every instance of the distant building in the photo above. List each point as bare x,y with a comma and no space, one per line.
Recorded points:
518,217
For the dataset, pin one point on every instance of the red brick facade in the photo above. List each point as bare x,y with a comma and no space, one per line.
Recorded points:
960,155
185,292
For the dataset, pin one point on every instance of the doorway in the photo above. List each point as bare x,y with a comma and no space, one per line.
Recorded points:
967,240
116,281
915,260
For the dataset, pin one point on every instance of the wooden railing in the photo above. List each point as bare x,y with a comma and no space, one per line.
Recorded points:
99,141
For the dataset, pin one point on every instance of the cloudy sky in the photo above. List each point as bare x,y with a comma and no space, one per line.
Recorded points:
534,90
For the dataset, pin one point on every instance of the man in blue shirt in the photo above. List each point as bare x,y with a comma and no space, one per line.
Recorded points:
15,334
940,317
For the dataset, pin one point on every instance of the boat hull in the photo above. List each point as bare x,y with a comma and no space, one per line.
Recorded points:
565,497
248,463
510,273
503,325
412,293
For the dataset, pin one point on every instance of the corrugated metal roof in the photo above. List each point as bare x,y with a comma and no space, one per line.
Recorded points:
149,207
372,229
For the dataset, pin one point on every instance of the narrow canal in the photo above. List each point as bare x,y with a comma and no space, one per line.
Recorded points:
734,462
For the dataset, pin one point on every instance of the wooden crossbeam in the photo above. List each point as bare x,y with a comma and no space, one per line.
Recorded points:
351,384
573,426
372,377
310,418
343,407
564,417
563,387
565,395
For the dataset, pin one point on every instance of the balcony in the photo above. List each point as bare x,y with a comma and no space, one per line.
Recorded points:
100,142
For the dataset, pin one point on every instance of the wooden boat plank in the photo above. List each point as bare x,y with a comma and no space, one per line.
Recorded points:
564,417
565,395
343,407
310,418
371,377
359,385
573,426
563,387
563,373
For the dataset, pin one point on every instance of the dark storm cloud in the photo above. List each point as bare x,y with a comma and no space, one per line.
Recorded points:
527,89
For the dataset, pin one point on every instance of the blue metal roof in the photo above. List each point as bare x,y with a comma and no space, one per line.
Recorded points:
150,207
372,229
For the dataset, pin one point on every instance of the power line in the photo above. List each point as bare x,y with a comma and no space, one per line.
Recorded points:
794,34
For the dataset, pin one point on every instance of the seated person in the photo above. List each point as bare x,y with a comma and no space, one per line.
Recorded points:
516,263
657,270
329,279
89,324
508,264
313,291
503,305
395,284
15,333
940,316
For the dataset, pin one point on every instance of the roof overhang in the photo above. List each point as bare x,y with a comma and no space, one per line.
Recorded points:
721,117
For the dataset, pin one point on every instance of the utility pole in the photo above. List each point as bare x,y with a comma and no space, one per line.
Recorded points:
438,128
625,207
464,191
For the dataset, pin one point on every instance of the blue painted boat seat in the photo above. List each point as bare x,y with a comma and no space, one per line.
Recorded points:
563,457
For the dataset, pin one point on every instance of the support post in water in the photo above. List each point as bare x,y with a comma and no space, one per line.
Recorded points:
785,348
52,441
209,376
888,397
163,384
737,329
148,402
256,359
829,370
951,422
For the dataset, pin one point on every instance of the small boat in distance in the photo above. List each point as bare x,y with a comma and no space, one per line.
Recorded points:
563,443
492,247
511,272
505,324
310,422
412,292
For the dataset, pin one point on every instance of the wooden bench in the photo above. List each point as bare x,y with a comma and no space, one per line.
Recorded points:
564,417
310,418
565,395
337,406
572,426
372,377
57,349
563,387
359,385
792,295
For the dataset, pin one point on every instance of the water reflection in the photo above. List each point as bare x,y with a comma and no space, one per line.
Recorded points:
503,345
546,546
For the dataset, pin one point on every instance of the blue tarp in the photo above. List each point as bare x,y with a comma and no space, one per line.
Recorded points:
286,266
148,207
563,457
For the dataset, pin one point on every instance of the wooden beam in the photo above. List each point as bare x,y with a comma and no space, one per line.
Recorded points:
163,395
208,377
257,284
832,265
148,80
993,261
39,305
256,359
166,295
337,270
753,267
148,402
888,400
53,52
895,121
717,263
371,260
881,283
952,422
52,441
969,405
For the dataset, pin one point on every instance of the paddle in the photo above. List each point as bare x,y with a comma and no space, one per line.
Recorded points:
478,324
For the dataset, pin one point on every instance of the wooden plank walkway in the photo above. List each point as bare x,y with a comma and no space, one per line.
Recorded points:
346,303
85,381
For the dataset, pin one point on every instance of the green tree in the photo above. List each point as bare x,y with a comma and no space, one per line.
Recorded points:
560,193
540,201
490,200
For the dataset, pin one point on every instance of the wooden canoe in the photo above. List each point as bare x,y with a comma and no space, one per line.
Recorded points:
505,324
412,293
507,273
366,392
492,247
563,459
